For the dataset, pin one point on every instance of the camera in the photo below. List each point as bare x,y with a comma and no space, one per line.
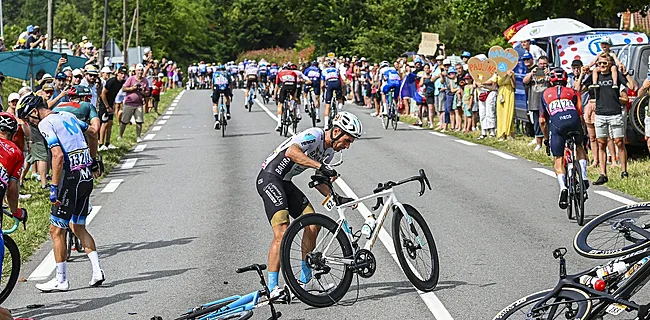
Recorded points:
138,87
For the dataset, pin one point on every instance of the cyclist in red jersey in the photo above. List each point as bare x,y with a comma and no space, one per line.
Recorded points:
286,83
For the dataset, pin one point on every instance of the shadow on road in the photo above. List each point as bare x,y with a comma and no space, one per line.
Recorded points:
228,135
113,249
149,275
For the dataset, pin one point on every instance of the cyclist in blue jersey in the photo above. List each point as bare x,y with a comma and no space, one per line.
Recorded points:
273,73
233,71
332,82
390,79
203,71
314,74
221,83
560,114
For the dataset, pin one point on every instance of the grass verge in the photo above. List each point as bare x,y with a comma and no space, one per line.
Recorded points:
639,169
38,205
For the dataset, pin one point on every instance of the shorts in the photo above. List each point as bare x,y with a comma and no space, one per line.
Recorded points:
250,80
263,78
74,194
647,126
558,136
282,199
202,73
105,116
217,92
316,88
431,98
285,90
368,88
467,111
603,125
155,98
39,150
330,88
132,111
536,127
387,87
272,79
589,112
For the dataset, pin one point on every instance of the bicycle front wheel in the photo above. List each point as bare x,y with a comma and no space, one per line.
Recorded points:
415,248
222,119
567,182
311,258
612,233
579,195
573,306
70,243
10,268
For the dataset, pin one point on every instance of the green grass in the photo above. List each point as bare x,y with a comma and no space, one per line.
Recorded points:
38,205
639,169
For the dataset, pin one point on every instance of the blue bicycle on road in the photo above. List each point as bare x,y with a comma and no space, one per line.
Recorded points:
240,307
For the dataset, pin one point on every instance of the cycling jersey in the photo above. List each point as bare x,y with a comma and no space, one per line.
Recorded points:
240,67
83,110
233,69
287,78
310,141
11,163
251,70
390,76
314,74
273,71
263,70
202,68
194,69
331,75
64,130
562,108
220,80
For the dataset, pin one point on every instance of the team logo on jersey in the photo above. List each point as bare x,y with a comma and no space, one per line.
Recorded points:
560,105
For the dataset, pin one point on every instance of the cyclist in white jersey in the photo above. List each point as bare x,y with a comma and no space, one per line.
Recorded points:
312,148
73,168
203,71
241,68
251,80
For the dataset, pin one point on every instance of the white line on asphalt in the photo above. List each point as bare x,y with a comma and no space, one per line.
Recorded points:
171,108
502,155
416,127
166,117
112,185
174,104
615,197
467,143
162,121
156,128
545,171
140,148
438,134
169,112
129,163
430,299
149,136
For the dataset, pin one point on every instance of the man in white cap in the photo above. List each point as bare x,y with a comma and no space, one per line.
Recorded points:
105,74
77,76
91,81
90,53
136,88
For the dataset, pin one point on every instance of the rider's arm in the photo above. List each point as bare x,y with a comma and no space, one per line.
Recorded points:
644,88
12,195
542,118
57,163
298,156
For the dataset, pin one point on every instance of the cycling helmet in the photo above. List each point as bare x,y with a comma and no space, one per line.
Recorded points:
384,64
28,103
8,122
274,64
221,67
349,123
558,75
202,62
314,64
83,91
466,54
331,63
293,67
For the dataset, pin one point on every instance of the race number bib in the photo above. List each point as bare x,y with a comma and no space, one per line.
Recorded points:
79,159
221,80
329,203
4,177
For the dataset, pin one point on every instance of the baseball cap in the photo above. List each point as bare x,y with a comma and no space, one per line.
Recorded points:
122,69
76,72
440,57
146,50
91,69
13,96
446,61
106,70
88,45
36,28
606,39
84,38
67,68
46,77
527,55
576,63
452,69
60,76
139,66
161,74
21,40
467,77
30,28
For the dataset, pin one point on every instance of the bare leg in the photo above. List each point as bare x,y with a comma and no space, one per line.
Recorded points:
42,171
602,155
87,241
274,250
591,129
58,243
622,152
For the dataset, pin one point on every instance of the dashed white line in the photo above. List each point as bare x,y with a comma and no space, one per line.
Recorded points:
149,136
545,171
171,108
174,104
140,148
438,134
156,128
166,117
169,112
502,155
129,163
467,143
615,197
162,121
416,127
112,185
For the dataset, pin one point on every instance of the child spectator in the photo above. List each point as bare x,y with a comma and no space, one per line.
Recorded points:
468,102
155,92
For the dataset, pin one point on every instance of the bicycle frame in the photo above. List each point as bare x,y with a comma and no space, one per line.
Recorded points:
243,303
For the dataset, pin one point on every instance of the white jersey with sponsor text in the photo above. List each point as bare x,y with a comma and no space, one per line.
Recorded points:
310,141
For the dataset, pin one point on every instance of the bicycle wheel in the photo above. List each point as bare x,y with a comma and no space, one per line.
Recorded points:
237,316
69,243
201,311
578,195
222,119
567,183
395,119
285,120
332,278
312,112
415,248
574,306
10,268
606,236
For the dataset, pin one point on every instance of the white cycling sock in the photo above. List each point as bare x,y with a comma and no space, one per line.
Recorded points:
317,113
94,261
327,120
560,181
297,110
583,167
339,106
61,272
279,119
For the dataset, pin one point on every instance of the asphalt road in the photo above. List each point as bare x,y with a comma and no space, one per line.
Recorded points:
187,214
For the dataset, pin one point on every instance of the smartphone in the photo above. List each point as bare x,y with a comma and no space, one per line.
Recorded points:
64,55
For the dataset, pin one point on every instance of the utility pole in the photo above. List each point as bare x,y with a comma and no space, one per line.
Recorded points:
125,47
50,30
2,24
137,28
103,52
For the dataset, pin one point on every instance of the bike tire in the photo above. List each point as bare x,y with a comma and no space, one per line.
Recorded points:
69,243
285,120
244,315
312,113
323,222
222,120
520,308
203,311
579,195
608,222
431,281
395,120
14,253
78,246
567,182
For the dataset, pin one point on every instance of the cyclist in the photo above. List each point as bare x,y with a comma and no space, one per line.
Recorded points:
302,81
332,81
561,114
221,84
286,82
273,73
80,106
208,78
251,80
233,72
312,148
203,70
240,69
390,79
193,73
263,74
72,183
314,74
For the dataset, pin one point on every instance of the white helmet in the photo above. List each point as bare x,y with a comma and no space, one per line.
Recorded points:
384,64
349,123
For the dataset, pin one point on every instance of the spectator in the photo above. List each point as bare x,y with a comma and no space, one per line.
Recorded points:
77,76
83,42
487,106
45,79
533,49
645,89
90,81
90,53
68,74
24,35
2,79
157,86
60,93
440,84
105,74
468,100
136,87
36,40
450,88
107,107
21,44
37,156
578,80
535,82
3,48
506,106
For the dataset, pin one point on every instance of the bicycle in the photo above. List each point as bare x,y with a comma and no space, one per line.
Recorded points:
338,251
222,115
11,259
72,242
391,115
250,101
333,108
289,117
311,106
240,307
263,92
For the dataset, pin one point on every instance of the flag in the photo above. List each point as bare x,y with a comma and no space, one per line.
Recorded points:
512,30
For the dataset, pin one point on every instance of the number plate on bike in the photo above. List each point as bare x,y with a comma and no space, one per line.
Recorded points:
615,309
329,203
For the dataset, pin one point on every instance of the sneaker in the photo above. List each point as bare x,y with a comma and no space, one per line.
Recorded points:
119,138
110,146
374,114
24,196
585,184
317,120
280,294
315,286
138,139
564,199
53,286
481,137
227,116
103,148
246,106
615,86
532,143
624,175
97,281
217,125
538,147
278,127
602,179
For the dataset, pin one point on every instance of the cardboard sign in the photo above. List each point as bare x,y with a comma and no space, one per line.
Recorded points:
331,55
506,59
428,44
481,71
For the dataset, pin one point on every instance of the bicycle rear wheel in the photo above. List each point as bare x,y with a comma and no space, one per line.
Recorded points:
415,248
609,235
312,112
579,195
69,243
395,119
573,306
567,182
285,120
318,268
222,120
10,268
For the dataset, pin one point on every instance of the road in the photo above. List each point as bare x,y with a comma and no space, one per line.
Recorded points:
186,214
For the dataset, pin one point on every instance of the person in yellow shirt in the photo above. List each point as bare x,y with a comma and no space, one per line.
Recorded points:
506,106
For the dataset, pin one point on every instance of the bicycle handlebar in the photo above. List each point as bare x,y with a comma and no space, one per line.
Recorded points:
15,225
252,267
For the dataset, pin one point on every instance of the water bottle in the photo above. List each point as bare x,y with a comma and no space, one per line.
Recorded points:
612,270
635,267
569,167
368,226
593,282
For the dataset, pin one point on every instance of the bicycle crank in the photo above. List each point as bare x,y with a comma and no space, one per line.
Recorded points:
365,263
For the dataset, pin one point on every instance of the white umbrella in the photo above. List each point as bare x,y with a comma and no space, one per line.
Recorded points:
550,28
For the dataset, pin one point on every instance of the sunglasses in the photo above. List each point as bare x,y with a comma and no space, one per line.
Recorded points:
603,63
79,77
93,75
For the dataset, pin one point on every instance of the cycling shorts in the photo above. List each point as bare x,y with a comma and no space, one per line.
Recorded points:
250,79
330,87
286,90
263,77
203,73
316,87
74,193
558,135
272,78
387,87
282,199
217,92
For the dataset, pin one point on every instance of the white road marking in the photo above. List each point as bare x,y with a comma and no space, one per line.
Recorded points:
140,148
467,143
502,155
174,104
169,112
171,108
92,214
545,171
438,134
112,185
129,163
156,128
430,299
615,197
166,117
149,136
162,121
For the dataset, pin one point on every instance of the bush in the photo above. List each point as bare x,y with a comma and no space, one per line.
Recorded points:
278,55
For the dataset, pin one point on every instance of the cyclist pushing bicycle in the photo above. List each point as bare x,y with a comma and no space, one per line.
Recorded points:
311,148
561,116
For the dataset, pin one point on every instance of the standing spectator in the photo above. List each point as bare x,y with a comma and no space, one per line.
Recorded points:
46,79
136,87
506,106
468,101
3,47
645,89
36,40
77,77
24,35
450,88
579,79
428,82
37,156
104,75
21,44
155,92
60,93
487,106
443,65
67,70
107,107
90,81
533,49
91,54
535,82
2,79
